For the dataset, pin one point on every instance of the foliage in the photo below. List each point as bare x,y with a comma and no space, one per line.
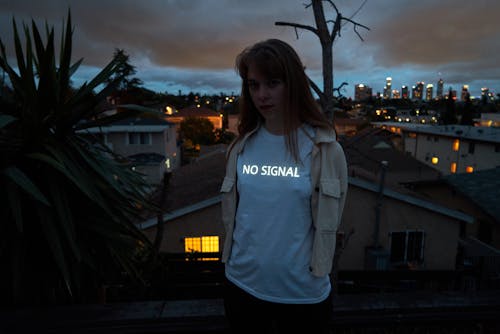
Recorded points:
200,131
68,203
123,72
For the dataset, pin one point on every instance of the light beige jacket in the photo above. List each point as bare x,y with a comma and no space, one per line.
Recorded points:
329,189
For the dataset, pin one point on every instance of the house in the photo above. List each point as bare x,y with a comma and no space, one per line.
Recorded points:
413,233
192,218
194,111
374,149
390,230
348,126
150,144
450,148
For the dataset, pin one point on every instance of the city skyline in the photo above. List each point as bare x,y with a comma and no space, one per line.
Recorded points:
191,45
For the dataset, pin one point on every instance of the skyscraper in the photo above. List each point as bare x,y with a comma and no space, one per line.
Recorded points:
465,92
428,92
362,92
388,88
418,92
404,92
439,92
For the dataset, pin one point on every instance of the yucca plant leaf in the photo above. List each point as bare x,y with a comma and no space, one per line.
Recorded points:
65,217
19,51
15,205
54,241
73,172
14,78
65,54
24,182
6,120
74,67
82,197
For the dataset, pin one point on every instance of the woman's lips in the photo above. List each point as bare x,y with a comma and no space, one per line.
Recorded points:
266,107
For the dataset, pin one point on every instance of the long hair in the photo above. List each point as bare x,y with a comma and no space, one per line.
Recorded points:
276,59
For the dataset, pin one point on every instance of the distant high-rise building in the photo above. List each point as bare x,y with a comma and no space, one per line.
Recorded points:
439,92
418,91
362,92
465,91
404,92
388,88
395,94
428,92
486,95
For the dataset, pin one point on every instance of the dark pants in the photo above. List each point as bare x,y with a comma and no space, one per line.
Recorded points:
247,314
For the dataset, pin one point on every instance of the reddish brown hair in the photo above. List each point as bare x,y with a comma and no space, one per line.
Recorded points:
276,59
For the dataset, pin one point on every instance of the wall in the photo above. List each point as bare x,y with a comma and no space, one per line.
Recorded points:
441,232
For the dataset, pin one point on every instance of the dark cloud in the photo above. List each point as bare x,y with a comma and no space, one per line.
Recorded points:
195,42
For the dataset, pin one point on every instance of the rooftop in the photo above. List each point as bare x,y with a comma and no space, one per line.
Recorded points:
194,111
481,187
478,133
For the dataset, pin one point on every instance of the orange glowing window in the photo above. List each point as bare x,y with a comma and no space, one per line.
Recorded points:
469,169
435,160
207,244
453,167
456,145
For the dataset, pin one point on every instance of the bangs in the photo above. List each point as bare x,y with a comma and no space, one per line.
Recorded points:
265,60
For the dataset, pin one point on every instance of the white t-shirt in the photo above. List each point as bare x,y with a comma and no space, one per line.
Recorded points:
273,234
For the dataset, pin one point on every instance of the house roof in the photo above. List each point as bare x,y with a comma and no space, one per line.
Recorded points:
481,187
476,133
369,147
146,158
194,111
431,206
195,182
138,121
144,124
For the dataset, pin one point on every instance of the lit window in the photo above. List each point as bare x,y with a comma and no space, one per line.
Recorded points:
469,169
453,167
435,160
206,244
456,145
412,135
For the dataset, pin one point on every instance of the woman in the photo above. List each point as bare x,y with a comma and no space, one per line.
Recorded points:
283,195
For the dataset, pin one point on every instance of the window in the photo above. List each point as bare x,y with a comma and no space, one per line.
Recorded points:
139,138
472,147
205,244
435,160
469,169
456,145
453,167
407,247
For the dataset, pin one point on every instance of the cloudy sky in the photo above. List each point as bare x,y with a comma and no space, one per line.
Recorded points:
190,45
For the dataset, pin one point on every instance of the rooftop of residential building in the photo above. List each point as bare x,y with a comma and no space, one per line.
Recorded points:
477,133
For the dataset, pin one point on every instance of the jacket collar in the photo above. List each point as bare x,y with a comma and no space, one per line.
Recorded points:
325,136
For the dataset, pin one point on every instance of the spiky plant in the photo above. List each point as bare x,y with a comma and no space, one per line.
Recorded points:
68,204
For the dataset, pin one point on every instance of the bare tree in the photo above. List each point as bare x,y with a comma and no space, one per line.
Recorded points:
327,38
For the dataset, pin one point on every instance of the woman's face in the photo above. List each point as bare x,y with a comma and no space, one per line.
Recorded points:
268,96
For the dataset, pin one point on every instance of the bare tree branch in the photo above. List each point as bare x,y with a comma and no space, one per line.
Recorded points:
326,36
297,25
316,89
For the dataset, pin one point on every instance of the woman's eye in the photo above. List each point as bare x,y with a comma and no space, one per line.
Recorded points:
273,83
252,85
